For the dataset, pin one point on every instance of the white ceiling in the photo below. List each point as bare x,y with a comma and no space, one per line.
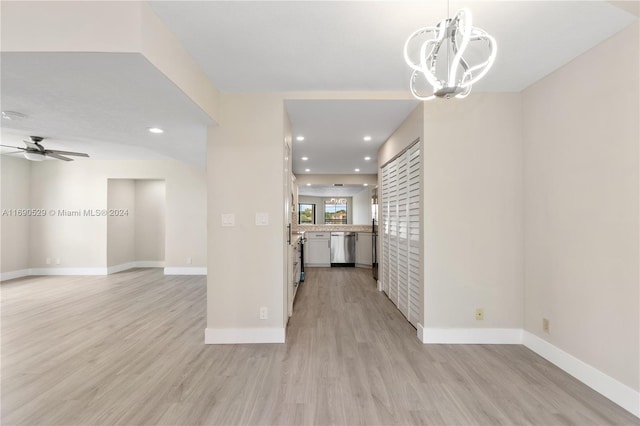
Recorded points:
334,132
263,46
103,103
260,46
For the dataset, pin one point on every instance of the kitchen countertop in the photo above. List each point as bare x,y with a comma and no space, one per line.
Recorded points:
332,228
295,236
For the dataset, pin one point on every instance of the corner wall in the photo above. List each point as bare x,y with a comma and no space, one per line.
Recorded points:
121,229
581,209
150,220
245,158
473,193
15,181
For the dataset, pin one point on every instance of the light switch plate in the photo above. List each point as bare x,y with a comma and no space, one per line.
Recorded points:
262,219
228,219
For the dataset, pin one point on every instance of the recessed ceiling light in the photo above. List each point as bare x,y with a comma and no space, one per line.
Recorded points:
13,115
357,170
308,184
367,158
365,184
307,170
156,130
304,158
367,138
300,138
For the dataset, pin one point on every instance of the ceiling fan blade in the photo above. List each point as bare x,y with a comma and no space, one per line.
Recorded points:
77,154
34,146
12,152
58,156
16,147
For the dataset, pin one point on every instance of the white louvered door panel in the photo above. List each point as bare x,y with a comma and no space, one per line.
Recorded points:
415,281
393,232
401,240
383,231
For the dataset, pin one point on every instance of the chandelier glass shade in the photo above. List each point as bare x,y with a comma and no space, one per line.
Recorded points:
449,58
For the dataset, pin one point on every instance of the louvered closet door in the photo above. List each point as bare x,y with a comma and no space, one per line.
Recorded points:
402,240
401,213
383,231
393,232
413,218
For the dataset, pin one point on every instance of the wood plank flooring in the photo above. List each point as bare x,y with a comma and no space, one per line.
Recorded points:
127,349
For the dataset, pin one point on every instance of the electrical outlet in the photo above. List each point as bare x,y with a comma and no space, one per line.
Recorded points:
48,261
189,261
545,325
479,314
57,260
264,313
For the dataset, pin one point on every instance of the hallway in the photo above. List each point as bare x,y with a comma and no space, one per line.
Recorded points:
128,349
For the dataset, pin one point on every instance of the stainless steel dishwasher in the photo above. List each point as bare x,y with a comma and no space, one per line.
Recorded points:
343,249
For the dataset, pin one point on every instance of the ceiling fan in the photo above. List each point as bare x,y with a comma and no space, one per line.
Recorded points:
36,152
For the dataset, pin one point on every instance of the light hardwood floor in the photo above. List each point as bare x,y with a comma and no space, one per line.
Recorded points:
128,349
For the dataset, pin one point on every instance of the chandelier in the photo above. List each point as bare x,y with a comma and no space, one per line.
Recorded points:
449,58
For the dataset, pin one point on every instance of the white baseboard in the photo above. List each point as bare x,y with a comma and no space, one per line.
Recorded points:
81,271
137,264
419,331
194,270
471,336
149,263
68,271
621,394
12,275
218,336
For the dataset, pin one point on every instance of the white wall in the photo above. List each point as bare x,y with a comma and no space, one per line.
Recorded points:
245,157
14,194
409,130
581,216
473,196
150,220
362,207
81,242
121,229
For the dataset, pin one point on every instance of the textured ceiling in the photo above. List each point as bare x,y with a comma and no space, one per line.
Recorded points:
102,104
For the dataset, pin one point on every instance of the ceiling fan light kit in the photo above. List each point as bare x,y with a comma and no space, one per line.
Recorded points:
34,151
34,156
437,57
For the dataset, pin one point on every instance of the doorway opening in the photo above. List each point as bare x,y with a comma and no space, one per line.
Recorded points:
135,224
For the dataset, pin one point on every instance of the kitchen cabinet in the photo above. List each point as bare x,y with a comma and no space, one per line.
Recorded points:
364,249
317,249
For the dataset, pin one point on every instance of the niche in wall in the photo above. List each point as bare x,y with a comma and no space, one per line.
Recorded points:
135,223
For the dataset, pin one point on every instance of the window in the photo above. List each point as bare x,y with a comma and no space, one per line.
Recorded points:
306,213
335,211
